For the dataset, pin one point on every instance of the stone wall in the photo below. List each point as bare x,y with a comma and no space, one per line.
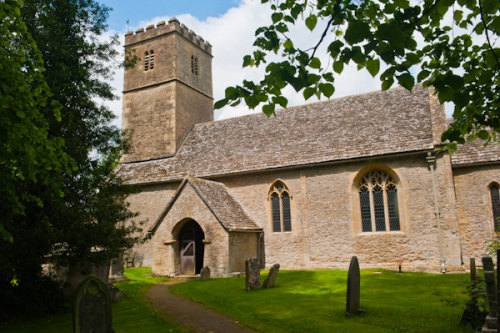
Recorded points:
474,207
326,220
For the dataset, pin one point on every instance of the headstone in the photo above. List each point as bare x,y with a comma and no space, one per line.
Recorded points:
92,307
116,270
491,292
473,272
271,278
252,270
205,273
353,288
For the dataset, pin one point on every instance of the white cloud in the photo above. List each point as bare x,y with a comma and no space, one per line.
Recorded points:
231,36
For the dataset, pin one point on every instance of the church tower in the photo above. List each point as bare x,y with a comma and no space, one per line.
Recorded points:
167,91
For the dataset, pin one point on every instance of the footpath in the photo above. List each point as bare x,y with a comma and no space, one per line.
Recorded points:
190,314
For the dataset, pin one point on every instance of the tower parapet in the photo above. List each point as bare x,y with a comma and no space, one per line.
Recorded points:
162,28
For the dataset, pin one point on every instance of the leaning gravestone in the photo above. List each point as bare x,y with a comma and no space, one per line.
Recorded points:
252,273
353,288
92,307
271,278
205,273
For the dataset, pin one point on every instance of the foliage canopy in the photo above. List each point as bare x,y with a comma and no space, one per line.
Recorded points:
60,196
450,45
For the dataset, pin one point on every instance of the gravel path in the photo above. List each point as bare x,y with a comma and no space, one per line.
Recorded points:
191,314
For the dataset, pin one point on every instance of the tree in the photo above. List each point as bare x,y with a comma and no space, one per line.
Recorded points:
450,45
71,205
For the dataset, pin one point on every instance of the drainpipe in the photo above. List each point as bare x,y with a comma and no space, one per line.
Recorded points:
432,161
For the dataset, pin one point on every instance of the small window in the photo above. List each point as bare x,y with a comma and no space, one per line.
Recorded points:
378,199
280,207
151,59
495,206
146,61
194,65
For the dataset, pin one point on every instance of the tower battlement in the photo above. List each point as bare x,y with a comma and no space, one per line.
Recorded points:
162,28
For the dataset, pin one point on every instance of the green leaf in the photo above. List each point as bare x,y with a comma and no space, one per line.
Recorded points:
483,134
386,84
221,103
406,80
356,32
276,17
288,44
326,89
311,22
373,66
308,92
338,66
490,6
268,109
315,63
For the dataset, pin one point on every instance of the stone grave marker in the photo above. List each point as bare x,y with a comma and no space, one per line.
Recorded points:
491,293
271,278
92,307
473,271
252,276
205,273
353,288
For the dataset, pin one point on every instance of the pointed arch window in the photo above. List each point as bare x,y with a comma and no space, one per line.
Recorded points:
279,196
495,206
194,65
378,198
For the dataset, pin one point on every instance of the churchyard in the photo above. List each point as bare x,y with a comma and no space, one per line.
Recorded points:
300,301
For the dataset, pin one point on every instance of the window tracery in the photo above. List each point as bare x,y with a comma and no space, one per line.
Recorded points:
280,207
378,202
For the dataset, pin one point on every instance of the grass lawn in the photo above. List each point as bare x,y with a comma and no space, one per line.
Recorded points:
314,301
131,314
302,301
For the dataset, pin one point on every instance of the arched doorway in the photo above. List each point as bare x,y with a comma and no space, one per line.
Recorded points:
191,248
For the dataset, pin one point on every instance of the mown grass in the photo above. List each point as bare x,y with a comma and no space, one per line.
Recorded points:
131,314
314,301
302,301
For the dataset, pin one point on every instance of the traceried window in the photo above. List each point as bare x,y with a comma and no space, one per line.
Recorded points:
194,65
495,206
378,198
279,196
149,60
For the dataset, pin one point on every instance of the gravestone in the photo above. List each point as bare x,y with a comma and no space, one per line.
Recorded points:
252,273
205,273
92,307
491,294
473,271
271,278
116,270
353,288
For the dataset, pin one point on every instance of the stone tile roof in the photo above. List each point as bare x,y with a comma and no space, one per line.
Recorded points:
367,125
474,152
226,209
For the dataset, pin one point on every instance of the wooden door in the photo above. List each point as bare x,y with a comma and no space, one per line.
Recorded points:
188,260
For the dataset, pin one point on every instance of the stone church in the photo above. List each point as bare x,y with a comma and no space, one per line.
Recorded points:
309,188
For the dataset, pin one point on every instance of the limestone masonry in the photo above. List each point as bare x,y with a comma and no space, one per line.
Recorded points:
310,188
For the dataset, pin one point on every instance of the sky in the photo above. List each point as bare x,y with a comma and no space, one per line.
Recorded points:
229,26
